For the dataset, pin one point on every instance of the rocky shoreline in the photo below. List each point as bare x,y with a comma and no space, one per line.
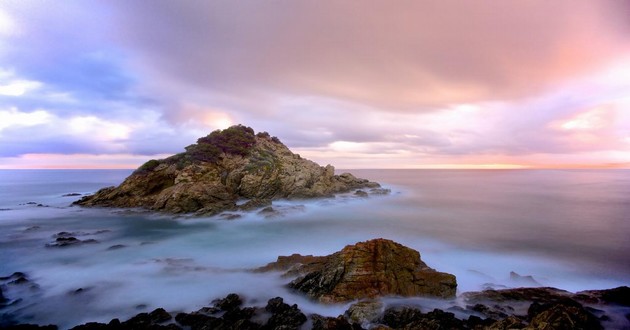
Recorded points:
374,277
522,308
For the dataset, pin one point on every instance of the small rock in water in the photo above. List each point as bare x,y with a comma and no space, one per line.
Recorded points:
255,203
71,195
229,216
380,191
116,247
79,291
521,280
69,241
360,193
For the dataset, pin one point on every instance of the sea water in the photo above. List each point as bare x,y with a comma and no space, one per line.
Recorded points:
566,228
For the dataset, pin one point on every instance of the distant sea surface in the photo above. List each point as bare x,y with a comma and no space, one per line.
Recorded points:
568,229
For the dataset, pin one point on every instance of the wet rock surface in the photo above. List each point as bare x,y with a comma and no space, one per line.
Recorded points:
368,269
221,169
229,313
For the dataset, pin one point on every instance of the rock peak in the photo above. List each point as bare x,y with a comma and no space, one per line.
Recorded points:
369,269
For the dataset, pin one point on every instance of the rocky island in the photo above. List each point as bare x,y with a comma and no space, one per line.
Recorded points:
222,169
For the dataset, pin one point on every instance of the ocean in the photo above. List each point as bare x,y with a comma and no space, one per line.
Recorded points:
568,229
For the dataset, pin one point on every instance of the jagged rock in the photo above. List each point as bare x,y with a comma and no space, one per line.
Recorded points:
230,216
361,193
564,315
398,317
294,265
380,191
523,280
255,203
548,308
69,241
223,167
116,247
617,296
231,302
508,323
146,320
365,311
333,323
283,316
197,320
371,269
142,321
412,318
520,294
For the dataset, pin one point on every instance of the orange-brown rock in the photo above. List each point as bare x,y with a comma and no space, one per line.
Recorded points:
369,269
295,265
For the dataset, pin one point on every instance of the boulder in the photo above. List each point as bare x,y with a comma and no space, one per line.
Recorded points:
368,269
567,314
283,316
374,268
615,296
364,311
333,323
220,169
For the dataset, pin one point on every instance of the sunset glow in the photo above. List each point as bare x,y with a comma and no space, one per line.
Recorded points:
451,85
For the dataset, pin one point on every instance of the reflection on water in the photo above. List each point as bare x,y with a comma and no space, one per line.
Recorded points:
567,229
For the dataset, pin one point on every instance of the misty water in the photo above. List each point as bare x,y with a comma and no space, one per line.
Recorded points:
567,228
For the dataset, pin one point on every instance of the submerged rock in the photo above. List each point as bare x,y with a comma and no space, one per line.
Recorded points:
368,269
220,169
69,241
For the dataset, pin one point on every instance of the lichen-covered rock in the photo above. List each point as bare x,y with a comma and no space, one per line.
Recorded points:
365,311
564,315
212,175
369,269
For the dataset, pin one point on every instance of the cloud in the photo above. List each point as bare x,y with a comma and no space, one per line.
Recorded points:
412,57
376,84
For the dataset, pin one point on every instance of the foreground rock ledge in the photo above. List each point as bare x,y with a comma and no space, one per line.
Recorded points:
222,168
374,268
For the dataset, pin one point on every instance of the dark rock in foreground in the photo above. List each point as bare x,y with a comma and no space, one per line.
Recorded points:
222,168
369,269
554,309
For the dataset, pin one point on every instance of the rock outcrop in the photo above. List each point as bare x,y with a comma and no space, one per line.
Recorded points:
368,269
545,308
222,168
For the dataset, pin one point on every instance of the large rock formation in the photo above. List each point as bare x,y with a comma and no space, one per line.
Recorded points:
369,269
222,168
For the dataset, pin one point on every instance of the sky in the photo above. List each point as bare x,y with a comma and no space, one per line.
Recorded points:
370,84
